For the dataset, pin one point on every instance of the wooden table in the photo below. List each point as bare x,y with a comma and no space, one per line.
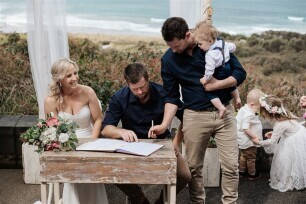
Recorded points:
103,167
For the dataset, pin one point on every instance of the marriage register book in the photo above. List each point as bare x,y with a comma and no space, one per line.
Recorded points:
114,145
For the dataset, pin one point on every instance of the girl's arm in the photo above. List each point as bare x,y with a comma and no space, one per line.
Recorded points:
278,131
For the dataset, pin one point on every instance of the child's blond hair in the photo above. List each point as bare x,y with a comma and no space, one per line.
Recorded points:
254,95
205,31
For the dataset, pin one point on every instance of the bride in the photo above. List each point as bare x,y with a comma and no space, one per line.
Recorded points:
68,99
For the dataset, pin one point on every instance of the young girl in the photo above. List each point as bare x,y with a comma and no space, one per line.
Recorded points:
288,169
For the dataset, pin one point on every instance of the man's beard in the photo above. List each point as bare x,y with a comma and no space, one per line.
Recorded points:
142,98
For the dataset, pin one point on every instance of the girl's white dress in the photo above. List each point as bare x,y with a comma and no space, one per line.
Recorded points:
83,193
288,169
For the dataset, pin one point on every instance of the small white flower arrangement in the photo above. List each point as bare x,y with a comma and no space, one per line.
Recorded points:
54,134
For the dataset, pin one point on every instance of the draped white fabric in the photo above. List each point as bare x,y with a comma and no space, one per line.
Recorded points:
190,10
47,41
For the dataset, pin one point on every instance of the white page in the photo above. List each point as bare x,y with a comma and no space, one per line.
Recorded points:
139,148
109,145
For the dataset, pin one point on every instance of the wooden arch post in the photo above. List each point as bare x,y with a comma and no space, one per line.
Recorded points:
207,11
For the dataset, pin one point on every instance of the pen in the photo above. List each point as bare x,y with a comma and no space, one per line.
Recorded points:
151,126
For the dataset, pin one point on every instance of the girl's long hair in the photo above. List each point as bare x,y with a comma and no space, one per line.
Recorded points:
272,107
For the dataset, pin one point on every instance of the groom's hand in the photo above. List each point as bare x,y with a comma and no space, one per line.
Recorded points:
129,135
156,130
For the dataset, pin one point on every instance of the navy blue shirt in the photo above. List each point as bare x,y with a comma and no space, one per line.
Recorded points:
135,116
185,70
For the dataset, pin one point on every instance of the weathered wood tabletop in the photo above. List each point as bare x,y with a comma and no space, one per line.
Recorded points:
105,167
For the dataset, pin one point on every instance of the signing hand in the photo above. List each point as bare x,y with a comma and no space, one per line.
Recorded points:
128,135
156,130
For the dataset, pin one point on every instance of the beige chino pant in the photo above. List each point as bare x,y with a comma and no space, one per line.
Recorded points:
198,127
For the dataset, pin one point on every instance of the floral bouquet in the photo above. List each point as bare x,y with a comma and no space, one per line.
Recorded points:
54,134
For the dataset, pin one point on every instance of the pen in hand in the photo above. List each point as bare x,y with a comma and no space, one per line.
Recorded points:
151,127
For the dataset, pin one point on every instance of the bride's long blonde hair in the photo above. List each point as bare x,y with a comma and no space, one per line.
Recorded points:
58,71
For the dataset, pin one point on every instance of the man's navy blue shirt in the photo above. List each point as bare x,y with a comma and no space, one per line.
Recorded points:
185,70
135,116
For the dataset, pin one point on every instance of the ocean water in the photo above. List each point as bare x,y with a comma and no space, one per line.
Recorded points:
145,17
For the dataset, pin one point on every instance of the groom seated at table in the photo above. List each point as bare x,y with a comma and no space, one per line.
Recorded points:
139,105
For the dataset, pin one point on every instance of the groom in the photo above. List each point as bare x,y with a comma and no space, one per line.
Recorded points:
137,105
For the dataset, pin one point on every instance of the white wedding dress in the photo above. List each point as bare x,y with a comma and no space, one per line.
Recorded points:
288,169
83,193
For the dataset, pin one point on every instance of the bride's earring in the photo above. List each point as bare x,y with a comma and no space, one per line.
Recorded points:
60,84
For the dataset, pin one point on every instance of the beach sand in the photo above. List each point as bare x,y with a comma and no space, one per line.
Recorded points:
118,41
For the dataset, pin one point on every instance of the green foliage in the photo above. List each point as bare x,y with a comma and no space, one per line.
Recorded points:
297,44
244,52
267,57
15,44
273,45
212,142
253,41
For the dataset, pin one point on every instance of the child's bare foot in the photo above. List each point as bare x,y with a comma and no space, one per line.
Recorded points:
222,112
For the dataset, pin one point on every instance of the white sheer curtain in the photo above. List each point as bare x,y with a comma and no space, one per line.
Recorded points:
47,41
190,10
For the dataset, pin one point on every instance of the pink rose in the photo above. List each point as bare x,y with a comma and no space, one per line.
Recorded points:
52,122
52,146
39,125
55,145
304,116
48,147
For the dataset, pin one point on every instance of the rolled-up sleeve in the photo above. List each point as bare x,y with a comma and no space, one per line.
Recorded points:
170,84
238,71
113,113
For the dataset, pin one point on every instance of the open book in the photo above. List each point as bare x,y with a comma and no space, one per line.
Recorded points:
113,145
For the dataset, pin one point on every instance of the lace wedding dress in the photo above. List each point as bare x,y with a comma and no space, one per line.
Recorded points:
83,193
288,169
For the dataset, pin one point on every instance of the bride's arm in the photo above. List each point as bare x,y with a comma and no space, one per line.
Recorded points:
96,113
50,105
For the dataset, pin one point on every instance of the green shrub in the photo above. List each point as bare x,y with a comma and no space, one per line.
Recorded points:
297,44
267,57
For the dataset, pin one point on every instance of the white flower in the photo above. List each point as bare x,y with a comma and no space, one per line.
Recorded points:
48,135
63,137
